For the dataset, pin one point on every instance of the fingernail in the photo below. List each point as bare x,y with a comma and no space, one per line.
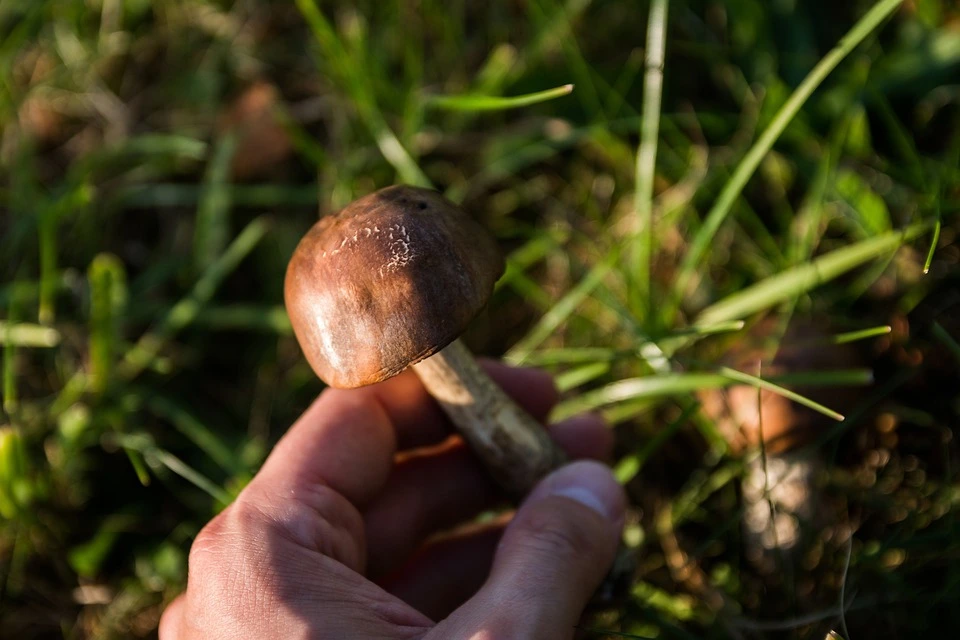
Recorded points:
589,483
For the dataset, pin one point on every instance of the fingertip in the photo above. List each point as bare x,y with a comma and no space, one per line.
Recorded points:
343,440
584,436
552,556
533,389
590,483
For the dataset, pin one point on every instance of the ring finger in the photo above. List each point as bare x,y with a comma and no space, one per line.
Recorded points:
434,489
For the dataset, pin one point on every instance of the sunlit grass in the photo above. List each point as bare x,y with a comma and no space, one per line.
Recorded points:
720,172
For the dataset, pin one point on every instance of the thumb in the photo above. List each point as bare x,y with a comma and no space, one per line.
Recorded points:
552,557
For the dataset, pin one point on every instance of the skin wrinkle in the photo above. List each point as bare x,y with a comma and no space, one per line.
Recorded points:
227,556
540,537
316,585
317,517
279,578
347,593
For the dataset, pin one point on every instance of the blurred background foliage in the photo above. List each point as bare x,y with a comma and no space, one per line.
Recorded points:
160,161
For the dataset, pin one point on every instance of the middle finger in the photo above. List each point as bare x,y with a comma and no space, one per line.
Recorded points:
434,489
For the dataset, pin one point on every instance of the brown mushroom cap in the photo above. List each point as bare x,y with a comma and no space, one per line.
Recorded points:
386,282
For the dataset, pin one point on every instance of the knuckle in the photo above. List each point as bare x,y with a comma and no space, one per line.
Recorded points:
226,558
322,520
227,543
228,533
208,543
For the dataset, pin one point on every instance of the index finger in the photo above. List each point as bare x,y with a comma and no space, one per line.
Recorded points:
347,439
420,422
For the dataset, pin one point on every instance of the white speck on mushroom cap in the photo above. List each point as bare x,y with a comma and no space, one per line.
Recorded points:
401,251
400,248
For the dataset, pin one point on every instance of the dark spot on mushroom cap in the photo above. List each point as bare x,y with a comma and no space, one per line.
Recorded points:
389,280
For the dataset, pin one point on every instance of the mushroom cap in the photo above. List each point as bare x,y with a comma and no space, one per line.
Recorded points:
386,282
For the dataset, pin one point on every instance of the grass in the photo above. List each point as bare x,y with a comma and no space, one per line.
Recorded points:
677,187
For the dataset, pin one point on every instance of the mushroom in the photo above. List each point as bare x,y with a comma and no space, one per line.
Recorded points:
390,282
779,488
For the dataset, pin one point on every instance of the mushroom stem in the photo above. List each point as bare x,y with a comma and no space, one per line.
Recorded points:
514,447
780,498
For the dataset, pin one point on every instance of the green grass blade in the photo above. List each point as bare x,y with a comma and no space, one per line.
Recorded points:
624,411
311,149
15,310
524,257
212,229
933,247
647,150
202,436
560,312
88,558
189,195
25,334
559,26
801,279
948,341
569,380
832,378
108,298
650,387
13,473
630,465
742,174
703,330
154,150
161,145
190,474
71,204
865,207
656,387
47,234
240,317
623,83
754,381
355,82
686,336
495,103
186,310
527,288
699,488
899,137
154,455
495,72
808,222
139,467
570,355
862,334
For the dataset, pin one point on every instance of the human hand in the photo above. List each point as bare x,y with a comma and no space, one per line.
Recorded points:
335,536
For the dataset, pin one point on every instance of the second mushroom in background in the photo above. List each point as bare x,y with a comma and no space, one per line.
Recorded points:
780,485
